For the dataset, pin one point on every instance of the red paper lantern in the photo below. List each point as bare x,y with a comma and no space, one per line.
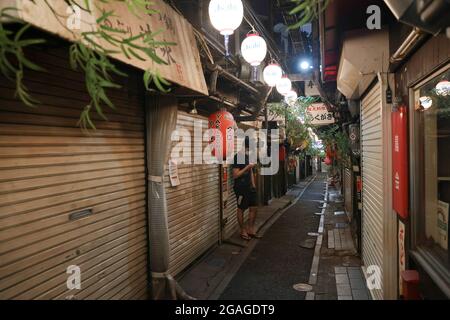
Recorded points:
330,153
223,137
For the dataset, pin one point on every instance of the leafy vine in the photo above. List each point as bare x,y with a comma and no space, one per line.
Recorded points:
307,10
88,54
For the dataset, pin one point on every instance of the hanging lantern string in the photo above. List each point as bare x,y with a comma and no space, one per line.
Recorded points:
271,59
250,24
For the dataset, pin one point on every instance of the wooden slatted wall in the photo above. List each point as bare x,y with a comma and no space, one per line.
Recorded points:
50,169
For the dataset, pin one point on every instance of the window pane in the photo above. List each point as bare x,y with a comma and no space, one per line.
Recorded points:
434,101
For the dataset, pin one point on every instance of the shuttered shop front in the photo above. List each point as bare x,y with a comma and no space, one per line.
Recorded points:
51,170
194,205
372,179
230,207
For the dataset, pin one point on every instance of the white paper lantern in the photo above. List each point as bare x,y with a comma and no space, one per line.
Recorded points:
426,102
272,74
443,88
254,51
291,97
284,85
226,16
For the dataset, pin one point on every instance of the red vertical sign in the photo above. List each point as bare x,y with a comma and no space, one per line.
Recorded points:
400,184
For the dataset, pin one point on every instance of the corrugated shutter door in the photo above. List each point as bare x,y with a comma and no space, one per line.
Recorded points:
193,206
50,169
230,210
372,181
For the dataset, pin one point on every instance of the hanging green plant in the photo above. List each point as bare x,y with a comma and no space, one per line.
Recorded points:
306,11
296,118
13,62
334,138
88,55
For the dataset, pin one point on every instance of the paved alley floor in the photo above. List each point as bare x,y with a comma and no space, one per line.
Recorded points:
307,244
279,261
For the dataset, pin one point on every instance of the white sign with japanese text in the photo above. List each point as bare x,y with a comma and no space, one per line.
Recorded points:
318,114
183,59
173,173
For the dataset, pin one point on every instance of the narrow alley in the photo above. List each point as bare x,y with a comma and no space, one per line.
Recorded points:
306,253
187,153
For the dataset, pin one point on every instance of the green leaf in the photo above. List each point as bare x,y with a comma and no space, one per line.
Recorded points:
27,63
151,53
157,81
99,110
21,32
300,7
30,42
105,15
125,52
106,100
134,54
148,77
115,30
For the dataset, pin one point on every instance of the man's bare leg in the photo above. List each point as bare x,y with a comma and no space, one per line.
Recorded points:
251,220
240,219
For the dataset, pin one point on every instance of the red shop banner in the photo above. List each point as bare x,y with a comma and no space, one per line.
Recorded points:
400,183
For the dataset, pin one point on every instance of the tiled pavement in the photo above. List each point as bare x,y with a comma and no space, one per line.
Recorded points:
340,239
340,276
350,284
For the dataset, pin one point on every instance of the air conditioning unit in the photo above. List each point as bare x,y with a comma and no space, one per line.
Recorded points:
431,16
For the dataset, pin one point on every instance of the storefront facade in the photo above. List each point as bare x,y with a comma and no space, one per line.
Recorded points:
362,80
421,87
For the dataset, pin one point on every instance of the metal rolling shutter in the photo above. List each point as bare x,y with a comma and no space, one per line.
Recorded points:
50,169
230,210
193,206
372,181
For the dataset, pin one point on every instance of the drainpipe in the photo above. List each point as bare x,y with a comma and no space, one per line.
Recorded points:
411,41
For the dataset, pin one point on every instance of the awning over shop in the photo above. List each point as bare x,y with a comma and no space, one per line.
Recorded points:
364,54
184,66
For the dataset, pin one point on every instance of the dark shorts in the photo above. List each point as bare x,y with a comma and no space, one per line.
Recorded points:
245,199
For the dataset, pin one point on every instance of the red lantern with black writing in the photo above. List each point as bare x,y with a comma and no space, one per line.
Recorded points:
222,138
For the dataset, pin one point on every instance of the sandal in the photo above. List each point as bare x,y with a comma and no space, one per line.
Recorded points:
245,237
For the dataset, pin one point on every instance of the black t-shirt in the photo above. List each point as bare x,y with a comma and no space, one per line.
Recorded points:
244,182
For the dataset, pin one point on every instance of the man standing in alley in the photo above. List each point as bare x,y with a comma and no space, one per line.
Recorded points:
245,190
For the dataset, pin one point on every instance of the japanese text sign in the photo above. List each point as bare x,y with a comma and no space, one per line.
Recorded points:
318,114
